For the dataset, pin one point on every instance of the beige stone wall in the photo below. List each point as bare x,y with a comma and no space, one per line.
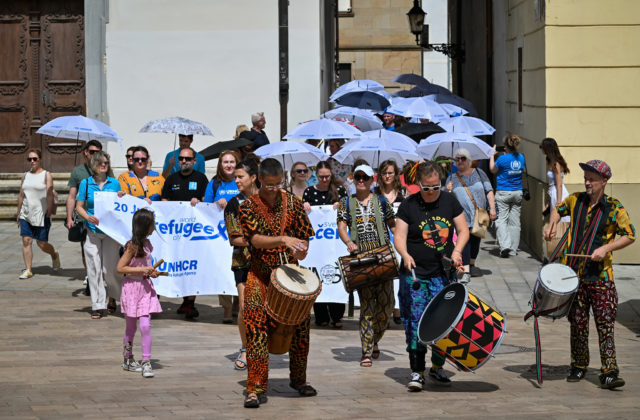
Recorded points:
377,42
580,86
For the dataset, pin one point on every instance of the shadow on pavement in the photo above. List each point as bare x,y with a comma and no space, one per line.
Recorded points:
549,372
401,376
72,274
629,315
354,354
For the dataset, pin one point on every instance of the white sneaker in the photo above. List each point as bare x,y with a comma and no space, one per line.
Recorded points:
416,382
147,372
466,278
131,365
26,274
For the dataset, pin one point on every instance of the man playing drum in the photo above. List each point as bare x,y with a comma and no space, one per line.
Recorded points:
424,234
595,220
271,244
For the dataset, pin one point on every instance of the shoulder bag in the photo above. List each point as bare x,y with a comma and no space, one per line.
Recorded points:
481,217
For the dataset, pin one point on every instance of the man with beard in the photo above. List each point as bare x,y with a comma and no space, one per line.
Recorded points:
186,185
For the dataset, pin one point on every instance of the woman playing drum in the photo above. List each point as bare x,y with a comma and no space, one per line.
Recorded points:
423,236
376,301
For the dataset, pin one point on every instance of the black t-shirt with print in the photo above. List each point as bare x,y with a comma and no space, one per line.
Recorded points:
413,211
315,197
178,187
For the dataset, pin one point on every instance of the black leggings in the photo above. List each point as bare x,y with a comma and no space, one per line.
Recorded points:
471,249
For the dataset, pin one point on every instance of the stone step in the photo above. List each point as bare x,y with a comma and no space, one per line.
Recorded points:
10,189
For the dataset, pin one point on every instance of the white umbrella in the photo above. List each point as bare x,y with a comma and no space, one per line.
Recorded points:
79,128
176,125
447,144
364,119
453,110
290,152
418,108
355,86
469,125
377,146
323,129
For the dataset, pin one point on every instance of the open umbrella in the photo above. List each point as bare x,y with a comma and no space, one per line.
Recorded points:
418,108
364,119
377,146
469,125
355,86
79,128
176,125
411,79
364,100
323,129
419,131
290,152
450,98
447,144
213,151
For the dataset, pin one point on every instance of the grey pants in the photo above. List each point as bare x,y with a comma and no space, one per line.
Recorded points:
509,204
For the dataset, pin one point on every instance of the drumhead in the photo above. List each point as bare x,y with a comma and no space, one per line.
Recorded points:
442,313
558,278
298,280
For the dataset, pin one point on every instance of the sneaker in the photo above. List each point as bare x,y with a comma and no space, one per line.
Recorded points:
576,374
26,274
416,383
55,261
466,278
505,253
191,312
475,271
610,381
131,365
438,377
147,371
182,309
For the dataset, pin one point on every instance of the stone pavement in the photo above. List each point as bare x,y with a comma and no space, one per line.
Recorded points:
55,362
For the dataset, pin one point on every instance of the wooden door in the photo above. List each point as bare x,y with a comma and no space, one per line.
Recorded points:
42,77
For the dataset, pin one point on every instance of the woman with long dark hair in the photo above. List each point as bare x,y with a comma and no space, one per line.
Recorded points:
325,192
556,191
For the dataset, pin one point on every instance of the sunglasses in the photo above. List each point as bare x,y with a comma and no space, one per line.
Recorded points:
30,159
140,159
364,178
302,171
92,151
430,188
128,156
460,158
185,158
323,177
104,162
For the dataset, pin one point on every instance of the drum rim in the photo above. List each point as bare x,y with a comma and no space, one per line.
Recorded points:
538,281
275,283
455,322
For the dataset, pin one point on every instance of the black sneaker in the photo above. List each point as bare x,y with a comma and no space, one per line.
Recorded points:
416,383
191,312
505,253
576,374
438,377
475,271
610,381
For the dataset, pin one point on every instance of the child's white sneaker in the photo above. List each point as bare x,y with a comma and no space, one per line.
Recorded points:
131,365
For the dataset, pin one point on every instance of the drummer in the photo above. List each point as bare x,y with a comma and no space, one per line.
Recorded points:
595,220
416,241
261,219
367,229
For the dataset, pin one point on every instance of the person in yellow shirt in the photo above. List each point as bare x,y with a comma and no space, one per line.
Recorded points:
140,181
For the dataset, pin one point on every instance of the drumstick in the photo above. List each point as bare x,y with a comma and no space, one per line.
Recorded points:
163,273
578,255
156,265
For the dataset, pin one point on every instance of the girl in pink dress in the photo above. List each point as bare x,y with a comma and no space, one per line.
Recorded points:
139,298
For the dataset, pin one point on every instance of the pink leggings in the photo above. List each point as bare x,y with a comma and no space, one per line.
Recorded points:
145,331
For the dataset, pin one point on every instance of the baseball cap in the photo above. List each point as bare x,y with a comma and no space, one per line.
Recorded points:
598,166
364,168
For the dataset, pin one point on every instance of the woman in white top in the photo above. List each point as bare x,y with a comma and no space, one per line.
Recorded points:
557,192
35,206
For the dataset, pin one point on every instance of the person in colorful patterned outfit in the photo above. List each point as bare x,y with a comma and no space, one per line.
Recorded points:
368,217
276,226
423,274
595,221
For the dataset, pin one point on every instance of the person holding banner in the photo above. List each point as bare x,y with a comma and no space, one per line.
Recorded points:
365,214
424,240
100,250
325,192
246,173
277,228
140,181
186,185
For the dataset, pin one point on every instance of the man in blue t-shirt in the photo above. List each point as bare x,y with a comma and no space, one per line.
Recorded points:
171,165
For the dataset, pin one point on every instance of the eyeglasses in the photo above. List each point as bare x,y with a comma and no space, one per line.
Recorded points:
92,151
323,177
139,159
364,178
430,188
128,156
302,171
185,158
104,162
32,159
272,186
460,158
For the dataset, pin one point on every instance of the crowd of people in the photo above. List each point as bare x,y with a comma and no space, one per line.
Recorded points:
429,212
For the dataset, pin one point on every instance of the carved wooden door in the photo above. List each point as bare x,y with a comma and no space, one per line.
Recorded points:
42,77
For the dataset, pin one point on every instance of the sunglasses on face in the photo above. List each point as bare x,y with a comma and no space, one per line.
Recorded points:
324,177
92,151
361,177
32,159
430,188
104,163
139,159
128,156
302,171
185,158
460,158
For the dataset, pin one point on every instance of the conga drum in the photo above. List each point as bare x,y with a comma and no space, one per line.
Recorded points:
554,291
368,268
291,294
462,327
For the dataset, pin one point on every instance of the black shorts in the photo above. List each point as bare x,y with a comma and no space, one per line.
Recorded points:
241,275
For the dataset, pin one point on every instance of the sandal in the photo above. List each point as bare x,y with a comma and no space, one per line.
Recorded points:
239,359
96,315
111,306
337,324
366,361
304,390
376,352
252,401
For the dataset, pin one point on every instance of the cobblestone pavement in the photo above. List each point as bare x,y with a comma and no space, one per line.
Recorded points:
55,362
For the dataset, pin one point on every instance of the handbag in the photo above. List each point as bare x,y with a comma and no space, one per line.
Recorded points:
78,232
481,217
